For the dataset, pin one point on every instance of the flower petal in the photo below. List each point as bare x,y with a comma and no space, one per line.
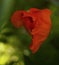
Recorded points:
41,30
16,18
37,22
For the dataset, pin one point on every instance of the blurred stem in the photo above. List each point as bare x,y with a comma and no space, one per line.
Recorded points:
7,6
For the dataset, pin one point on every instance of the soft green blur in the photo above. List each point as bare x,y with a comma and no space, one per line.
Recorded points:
9,53
13,42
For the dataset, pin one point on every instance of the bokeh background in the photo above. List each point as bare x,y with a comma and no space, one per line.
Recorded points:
48,54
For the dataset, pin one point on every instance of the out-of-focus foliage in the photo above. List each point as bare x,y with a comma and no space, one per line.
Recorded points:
10,55
48,54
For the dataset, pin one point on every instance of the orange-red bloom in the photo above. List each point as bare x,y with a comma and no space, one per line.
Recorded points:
37,23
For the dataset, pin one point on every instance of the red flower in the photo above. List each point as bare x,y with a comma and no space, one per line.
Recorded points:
16,19
38,24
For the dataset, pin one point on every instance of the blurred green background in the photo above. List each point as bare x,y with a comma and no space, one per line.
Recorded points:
48,54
